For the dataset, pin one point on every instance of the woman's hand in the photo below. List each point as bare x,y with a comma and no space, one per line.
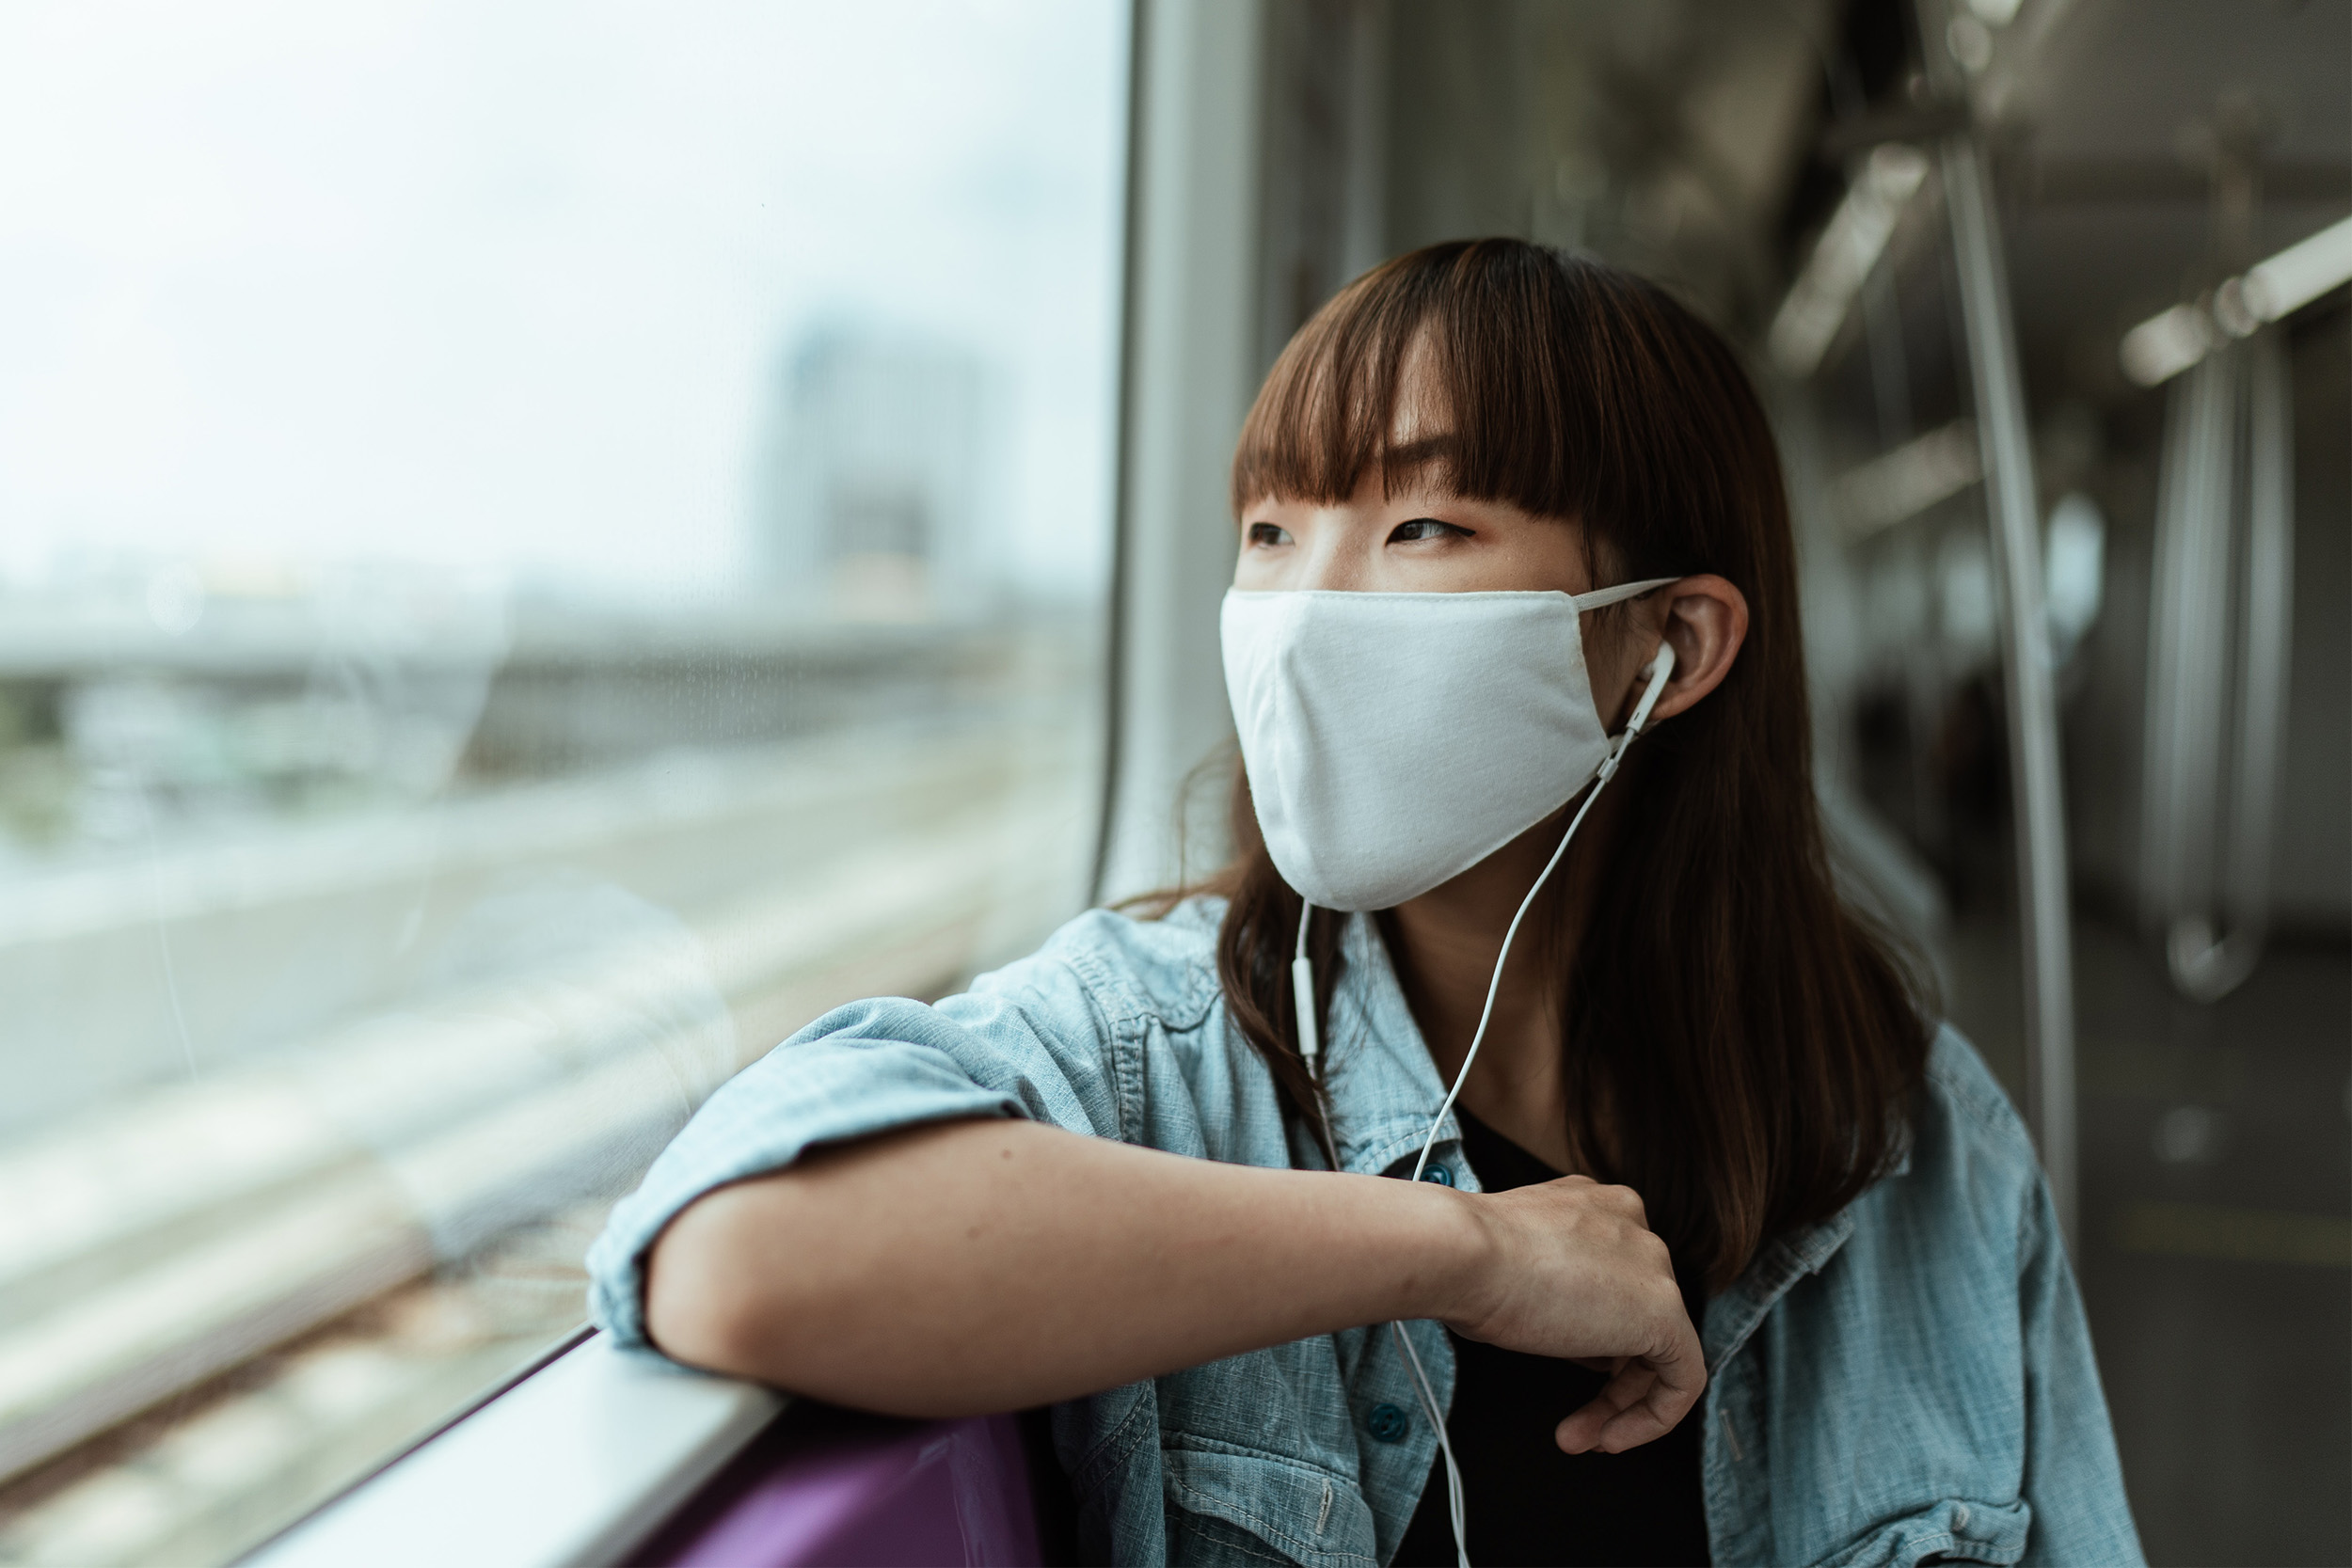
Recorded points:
1573,1270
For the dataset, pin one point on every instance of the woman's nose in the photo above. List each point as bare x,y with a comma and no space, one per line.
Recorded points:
1334,557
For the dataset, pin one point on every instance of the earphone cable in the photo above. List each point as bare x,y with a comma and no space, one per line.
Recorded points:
1661,666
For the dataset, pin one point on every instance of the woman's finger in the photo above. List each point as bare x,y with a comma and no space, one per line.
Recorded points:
1581,1431
1645,1400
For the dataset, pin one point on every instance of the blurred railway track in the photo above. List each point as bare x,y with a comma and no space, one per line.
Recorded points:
150,1242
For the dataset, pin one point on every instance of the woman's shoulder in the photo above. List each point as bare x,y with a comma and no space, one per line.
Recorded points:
1960,1090
1959,1080
1969,1155
1163,967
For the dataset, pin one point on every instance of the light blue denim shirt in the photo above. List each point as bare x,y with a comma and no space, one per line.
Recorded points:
1910,1382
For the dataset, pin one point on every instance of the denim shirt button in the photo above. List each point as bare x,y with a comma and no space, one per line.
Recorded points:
1443,1178
1386,1423
1959,1517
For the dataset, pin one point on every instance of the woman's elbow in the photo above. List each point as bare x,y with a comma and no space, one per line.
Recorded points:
704,1305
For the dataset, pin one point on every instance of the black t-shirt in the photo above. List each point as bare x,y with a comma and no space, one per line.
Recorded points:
1528,1503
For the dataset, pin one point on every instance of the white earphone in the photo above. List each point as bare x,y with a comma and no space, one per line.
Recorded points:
1661,670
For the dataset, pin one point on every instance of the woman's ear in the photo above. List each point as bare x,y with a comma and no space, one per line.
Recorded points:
1706,619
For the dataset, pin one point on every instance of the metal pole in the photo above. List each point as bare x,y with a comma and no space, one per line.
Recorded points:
2035,791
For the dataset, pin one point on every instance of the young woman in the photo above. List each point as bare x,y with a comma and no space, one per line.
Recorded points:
1723,1252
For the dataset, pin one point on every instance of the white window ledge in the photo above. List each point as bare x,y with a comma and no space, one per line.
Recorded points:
569,1469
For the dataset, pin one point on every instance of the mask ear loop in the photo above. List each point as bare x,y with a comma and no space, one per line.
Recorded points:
1662,668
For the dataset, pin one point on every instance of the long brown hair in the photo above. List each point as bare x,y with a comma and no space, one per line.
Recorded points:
1740,1046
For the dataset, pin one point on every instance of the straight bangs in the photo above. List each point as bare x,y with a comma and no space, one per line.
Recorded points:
1515,345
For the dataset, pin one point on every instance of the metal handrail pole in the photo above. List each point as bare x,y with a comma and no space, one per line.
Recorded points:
2195,640
2036,789
2269,625
2218,920
2215,727
2161,781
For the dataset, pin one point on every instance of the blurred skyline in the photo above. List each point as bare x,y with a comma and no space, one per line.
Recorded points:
506,289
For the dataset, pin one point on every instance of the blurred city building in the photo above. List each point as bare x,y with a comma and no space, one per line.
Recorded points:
875,500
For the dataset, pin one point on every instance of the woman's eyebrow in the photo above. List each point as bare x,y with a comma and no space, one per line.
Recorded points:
1430,462
1428,452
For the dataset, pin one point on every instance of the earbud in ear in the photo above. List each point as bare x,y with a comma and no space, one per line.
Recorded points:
1662,669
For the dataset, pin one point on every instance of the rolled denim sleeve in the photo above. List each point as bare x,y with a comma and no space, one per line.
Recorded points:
2074,1479
1029,1041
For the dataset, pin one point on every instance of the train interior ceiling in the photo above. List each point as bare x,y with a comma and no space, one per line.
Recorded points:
371,919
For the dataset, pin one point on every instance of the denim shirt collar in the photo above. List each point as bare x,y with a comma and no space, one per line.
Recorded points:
1383,1082
1733,1316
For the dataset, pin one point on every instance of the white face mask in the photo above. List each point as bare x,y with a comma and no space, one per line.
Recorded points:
1394,740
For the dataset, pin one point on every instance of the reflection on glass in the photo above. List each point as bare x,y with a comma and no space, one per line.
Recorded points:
539,548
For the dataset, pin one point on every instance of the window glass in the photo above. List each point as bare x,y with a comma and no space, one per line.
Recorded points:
541,546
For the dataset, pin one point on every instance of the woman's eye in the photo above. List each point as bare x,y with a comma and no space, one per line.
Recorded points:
1267,533
1426,527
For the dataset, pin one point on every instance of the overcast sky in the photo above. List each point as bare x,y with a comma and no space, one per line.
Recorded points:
507,281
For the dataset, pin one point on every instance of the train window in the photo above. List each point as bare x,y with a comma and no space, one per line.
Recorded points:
540,549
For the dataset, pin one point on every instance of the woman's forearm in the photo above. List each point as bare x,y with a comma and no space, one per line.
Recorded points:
991,1265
